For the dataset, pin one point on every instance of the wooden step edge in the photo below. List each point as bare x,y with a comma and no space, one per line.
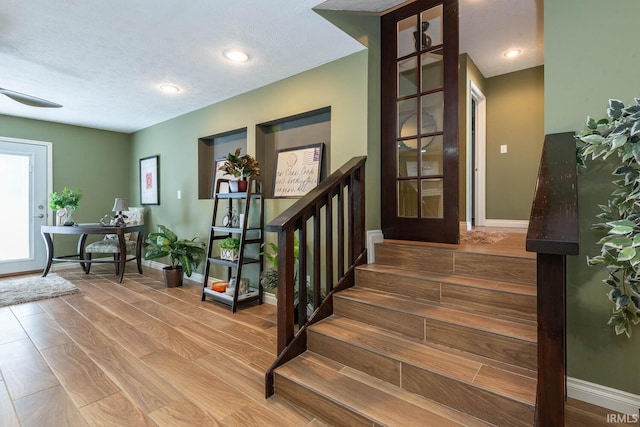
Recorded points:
358,295
499,299
510,379
515,369
326,379
523,254
415,399
453,279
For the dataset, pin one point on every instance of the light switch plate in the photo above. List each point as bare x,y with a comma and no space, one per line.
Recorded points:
503,149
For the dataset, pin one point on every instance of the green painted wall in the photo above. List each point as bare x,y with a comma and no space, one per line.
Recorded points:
342,85
591,55
96,161
515,117
365,27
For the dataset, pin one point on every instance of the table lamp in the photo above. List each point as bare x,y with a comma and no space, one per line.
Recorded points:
121,204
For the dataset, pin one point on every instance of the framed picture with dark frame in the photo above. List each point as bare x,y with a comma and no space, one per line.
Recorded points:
297,170
150,180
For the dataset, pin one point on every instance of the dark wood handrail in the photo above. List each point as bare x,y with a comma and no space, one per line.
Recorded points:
553,234
323,207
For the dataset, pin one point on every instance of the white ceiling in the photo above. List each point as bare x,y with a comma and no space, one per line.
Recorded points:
104,60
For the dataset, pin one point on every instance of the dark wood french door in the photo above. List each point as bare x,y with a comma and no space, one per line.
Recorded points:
419,146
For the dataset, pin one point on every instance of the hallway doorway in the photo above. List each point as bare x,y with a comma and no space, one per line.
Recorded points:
476,158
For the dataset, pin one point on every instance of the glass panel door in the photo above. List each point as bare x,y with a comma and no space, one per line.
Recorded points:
14,217
23,190
419,77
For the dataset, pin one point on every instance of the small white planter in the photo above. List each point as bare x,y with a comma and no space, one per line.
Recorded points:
229,254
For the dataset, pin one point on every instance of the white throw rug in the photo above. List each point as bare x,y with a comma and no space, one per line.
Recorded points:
18,291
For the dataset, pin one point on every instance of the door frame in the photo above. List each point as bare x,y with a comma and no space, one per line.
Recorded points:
480,157
48,178
443,229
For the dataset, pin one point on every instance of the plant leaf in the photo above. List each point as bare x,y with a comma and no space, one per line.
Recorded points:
619,242
618,141
627,254
622,226
593,139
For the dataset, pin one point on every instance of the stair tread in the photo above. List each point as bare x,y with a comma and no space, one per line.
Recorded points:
515,328
452,279
507,265
453,364
468,248
370,398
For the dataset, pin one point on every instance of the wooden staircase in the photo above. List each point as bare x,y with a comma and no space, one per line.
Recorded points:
431,335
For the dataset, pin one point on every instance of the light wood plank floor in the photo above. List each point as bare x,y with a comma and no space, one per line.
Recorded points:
139,354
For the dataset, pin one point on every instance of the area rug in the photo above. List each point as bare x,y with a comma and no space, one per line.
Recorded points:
479,236
26,289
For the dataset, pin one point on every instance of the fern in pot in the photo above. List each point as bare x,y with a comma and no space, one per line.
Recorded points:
619,135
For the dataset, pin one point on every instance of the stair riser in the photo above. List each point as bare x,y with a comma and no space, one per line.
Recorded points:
445,261
513,270
395,283
317,404
369,362
505,349
498,347
432,385
403,323
490,301
480,403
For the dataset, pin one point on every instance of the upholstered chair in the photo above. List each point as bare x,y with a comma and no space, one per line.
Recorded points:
110,244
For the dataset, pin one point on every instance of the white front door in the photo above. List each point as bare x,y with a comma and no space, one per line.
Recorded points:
24,175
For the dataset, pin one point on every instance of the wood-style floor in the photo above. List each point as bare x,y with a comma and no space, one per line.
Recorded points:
139,354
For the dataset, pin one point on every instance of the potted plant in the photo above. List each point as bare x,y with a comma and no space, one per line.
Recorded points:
229,248
618,134
64,204
185,254
269,277
240,167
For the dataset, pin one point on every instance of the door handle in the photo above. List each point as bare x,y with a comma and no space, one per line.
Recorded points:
39,216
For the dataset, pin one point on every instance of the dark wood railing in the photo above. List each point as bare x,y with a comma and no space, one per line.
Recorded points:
553,234
335,213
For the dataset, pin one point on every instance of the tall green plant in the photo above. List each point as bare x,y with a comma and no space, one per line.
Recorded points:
618,134
185,253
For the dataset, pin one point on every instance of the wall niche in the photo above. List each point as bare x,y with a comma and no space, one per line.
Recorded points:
312,127
214,147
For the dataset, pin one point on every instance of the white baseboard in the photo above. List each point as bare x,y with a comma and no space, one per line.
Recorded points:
373,237
507,223
269,298
606,397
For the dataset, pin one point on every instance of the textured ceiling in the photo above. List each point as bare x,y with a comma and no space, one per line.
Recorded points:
104,60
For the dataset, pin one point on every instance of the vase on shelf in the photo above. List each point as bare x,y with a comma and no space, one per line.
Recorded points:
69,210
238,185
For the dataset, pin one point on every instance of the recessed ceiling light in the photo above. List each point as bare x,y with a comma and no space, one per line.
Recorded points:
512,53
235,55
169,88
